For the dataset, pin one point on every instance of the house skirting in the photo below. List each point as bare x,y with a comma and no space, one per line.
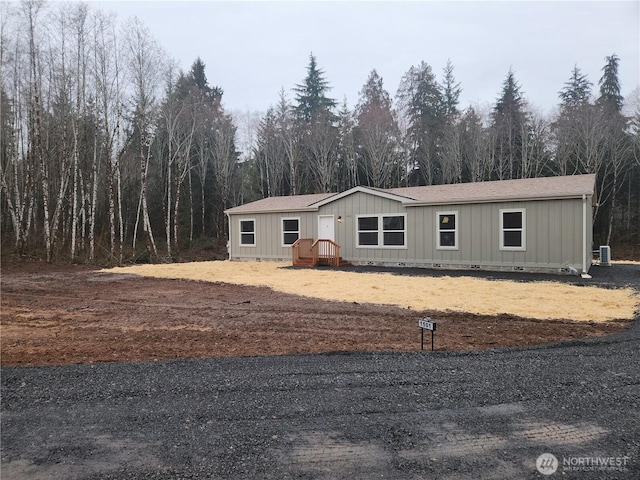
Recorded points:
556,270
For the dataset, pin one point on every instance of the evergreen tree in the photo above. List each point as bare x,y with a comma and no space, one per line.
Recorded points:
577,91
610,98
197,79
197,74
420,99
576,115
616,150
311,95
450,92
451,161
377,134
509,129
510,100
373,95
317,132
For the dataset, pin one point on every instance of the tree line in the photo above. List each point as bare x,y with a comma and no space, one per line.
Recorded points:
110,153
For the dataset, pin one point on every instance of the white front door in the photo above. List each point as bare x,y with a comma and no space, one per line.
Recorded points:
326,227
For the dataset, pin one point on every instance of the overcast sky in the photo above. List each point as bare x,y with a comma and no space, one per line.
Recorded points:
253,49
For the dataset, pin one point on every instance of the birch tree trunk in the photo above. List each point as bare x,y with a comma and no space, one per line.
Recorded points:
106,81
146,224
93,202
184,168
31,10
74,197
144,61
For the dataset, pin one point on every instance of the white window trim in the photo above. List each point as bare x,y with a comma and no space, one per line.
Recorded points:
357,229
523,247
282,232
453,213
240,232
381,231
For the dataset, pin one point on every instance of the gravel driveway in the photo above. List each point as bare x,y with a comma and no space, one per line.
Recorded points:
445,415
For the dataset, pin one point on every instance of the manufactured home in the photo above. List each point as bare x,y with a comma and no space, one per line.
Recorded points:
535,224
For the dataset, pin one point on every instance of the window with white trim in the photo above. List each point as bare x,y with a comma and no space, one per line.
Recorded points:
387,231
248,233
447,228
368,231
513,232
290,231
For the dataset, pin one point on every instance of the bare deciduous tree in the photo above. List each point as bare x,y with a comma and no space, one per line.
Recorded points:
144,62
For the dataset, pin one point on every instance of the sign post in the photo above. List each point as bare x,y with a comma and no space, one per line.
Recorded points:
426,324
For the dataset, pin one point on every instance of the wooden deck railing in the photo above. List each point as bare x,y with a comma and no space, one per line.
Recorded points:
306,252
301,249
326,252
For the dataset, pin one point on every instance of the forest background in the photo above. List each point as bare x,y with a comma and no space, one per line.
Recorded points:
109,153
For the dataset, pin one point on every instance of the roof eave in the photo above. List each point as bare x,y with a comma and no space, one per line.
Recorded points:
271,210
424,203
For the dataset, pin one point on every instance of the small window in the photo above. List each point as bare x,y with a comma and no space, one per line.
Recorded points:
248,233
290,231
368,231
447,230
382,231
513,229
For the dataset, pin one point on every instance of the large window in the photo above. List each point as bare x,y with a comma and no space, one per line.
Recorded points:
447,230
381,231
247,233
513,229
290,231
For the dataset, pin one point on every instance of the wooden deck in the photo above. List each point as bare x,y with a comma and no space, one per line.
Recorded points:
306,252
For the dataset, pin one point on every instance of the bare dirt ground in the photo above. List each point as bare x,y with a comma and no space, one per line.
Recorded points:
52,315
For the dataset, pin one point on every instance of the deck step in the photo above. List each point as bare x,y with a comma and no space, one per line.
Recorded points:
304,262
308,262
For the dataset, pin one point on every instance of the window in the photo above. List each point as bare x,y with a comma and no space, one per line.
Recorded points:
368,231
290,231
512,229
393,231
381,231
447,230
247,233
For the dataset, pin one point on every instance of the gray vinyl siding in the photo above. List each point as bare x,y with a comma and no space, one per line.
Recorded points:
553,234
349,208
268,231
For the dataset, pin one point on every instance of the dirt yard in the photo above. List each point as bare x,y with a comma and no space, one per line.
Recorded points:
62,315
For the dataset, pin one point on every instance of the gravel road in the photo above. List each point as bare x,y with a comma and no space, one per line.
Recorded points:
444,415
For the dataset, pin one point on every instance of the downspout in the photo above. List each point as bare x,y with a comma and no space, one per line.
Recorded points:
229,242
584,238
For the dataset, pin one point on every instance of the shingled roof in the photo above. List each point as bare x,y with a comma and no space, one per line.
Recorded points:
503,190
281,204
459,193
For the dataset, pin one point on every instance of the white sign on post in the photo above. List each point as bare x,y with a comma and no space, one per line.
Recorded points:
427,323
